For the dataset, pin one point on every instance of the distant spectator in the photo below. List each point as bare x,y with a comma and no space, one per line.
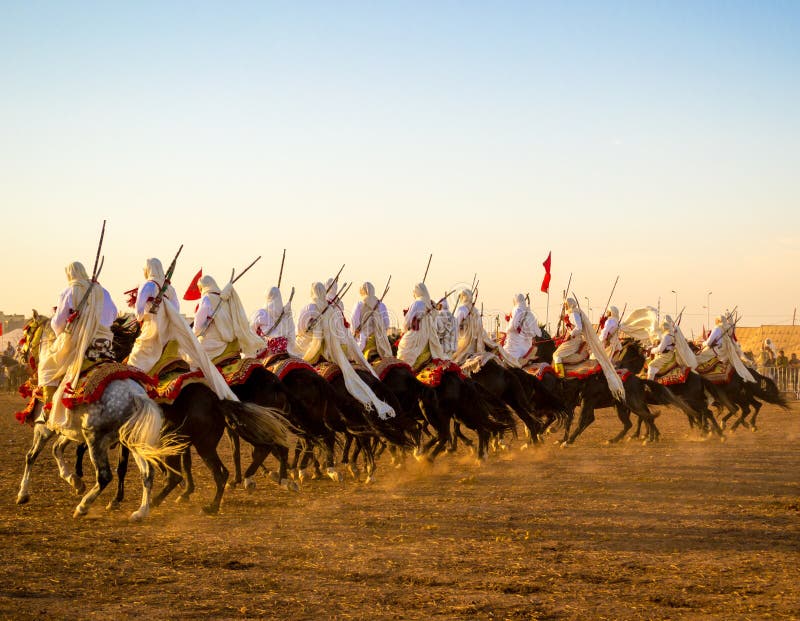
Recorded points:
749,358
765,358
781,361
794,362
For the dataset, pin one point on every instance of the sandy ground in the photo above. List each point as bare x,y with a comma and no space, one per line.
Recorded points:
683,529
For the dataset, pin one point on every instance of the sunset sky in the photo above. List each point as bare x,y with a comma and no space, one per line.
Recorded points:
657,141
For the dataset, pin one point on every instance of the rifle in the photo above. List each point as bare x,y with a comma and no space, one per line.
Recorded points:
561,311
280,274
95,274
372,310
608,302
336,298
427,268
335,279
280,317
231,282
160,295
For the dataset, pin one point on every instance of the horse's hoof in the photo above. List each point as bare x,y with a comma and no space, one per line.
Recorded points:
80,511
211,509
301,475
289,485
23,498
354,472
113,505
231,485
419,455
523,446
723,438
753,428
138,516
334,476
563,444
370,479
273,476
77,484
249,484
316,475
182,498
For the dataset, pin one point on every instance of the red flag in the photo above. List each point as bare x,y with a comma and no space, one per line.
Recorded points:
546,279
193,292
1,328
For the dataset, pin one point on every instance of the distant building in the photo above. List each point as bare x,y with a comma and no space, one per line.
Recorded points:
11,322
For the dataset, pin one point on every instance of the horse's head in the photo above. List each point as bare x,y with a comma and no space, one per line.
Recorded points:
32,335
545,346
125,329
632,356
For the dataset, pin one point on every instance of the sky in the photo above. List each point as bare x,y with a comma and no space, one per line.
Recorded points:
654,141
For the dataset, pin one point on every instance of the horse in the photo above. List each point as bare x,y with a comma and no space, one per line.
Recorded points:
122,414
197,417
593,392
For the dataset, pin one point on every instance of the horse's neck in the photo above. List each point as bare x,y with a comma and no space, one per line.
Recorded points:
545,348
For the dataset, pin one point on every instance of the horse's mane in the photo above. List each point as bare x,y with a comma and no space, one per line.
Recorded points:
125,329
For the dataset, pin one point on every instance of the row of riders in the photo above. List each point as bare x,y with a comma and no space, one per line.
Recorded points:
157,385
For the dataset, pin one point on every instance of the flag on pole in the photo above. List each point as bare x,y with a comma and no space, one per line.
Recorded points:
546,279
193,292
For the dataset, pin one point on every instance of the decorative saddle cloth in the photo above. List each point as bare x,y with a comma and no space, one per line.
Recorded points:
716,371
582,369
384,365
282,364
237,371
539,369
171,382
474,363
90,386
431,374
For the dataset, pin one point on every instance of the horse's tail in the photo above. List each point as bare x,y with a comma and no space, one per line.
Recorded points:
141,433
258,425
658,394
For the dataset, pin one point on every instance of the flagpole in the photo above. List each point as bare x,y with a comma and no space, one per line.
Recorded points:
547,317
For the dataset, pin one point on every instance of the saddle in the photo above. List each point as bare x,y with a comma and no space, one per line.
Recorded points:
237,371
716,371
539,369
475,362
431,374
93,382
282,364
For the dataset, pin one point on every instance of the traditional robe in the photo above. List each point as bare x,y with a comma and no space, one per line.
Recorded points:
420,340
275,325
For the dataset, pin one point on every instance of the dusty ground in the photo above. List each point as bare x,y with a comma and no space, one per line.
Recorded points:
681,529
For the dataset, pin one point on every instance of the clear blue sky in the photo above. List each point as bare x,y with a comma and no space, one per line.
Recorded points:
654,140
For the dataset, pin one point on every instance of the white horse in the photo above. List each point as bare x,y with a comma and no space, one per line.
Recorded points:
123,413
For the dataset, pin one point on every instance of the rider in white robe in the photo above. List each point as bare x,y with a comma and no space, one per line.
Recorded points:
609,335
472,337
568,350
446,328
420,341
166,325
221,325
370,322
522,329
274,324
323,335
76,337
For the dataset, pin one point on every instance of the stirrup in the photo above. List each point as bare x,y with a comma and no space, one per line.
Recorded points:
559,369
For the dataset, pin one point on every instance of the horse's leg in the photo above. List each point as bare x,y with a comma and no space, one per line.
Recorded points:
586,418
188,478
146,468
369,459
756,409
63,470
98,443
352,467
122,470
236,451
41,435
624,415
173,463
77,482
220,474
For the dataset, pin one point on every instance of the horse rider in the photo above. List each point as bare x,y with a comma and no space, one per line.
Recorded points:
569,348
522,329
420,341
370,322
446,328
275,325
472,337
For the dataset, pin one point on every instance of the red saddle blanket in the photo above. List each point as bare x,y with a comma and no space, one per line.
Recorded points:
431,374
328,370
282,365
93,382
716,371
237,371
384,365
